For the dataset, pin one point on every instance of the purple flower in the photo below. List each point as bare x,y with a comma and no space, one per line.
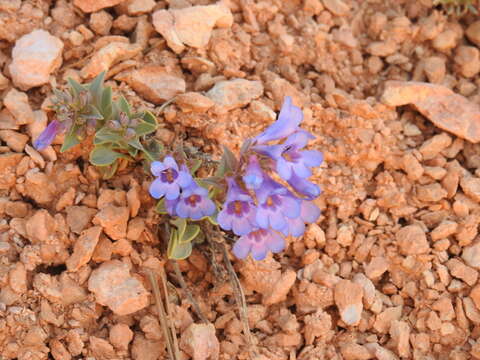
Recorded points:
304,187
238,213
194,203
258,242
170,179
253,174
170,206
275,205
287,123
289,159
309,213
47,135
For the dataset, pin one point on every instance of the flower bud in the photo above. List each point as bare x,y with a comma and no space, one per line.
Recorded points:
123,118
129,134
114,125
133,123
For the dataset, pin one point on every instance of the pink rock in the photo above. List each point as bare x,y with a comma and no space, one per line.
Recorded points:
114,220
114,287
233,94
191,26
89,6
17,104
200,342
348,298
449,111
83,249
34,57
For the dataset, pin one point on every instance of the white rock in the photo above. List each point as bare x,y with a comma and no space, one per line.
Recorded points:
34,57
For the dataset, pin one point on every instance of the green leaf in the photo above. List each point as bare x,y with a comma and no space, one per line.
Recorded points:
153,150
144,128
124,106
71,139
106,104
108,171
106,135
76,87
132,151
181,225
150,118
135,142
93,113
102,155
96,87
195,165
190,233
176,250
160,207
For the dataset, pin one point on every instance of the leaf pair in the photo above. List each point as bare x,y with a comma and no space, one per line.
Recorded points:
180,243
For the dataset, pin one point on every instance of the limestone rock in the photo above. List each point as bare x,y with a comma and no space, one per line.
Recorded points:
348,298
114,287
233,94
200,342
89,6
34,57
411,240
83,249
114,220
17,104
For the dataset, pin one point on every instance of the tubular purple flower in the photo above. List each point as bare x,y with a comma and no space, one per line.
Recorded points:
47,135
238,213
309,213
287,123
289,159
258,242
194,203
170,206
275,205
304,187
170,179
253,174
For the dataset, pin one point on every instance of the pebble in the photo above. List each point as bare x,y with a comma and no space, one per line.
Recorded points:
434,146
348,298
136,7
412,166
88,6
101,22
7,121
461,271
109,55
155,83
40,227
233,94
384,320
17,278
377,267
400,333
431,193
445,41
34,57
411,240
471,187
475,296
435,69
191,26
473,33
83,248
382,48
17,103
14,140
114,287
8,163
447,110
114,220
471,255
200,342
78,217
444,230
336,7
101,348
193,102
120,336
467,60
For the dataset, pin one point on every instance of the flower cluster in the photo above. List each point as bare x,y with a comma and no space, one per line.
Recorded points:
183,196
259,209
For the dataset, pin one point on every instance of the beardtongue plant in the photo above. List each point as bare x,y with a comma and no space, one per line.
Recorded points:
262,195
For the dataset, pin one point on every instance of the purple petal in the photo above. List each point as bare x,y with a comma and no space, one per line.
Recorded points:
225,220
284,168
304,187
241,226
272,151
170,162
242,247
312,157
170,206
296,227
301,170
275,243
157,167
182,209
158,188
259,251
184,177
47,136
299,139
172,192
253,177
287,123
208,207
309,212
290,207
262,218
277,220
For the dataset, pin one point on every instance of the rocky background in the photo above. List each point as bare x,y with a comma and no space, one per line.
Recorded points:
390,88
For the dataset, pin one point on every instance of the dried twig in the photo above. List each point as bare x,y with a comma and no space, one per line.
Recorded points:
187,291
170,336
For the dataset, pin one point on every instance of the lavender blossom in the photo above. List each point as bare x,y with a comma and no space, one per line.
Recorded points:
258,242
309,213
304,187
238,213
47,135
194,203
253,174
289,159
276,205
287,123
170,179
